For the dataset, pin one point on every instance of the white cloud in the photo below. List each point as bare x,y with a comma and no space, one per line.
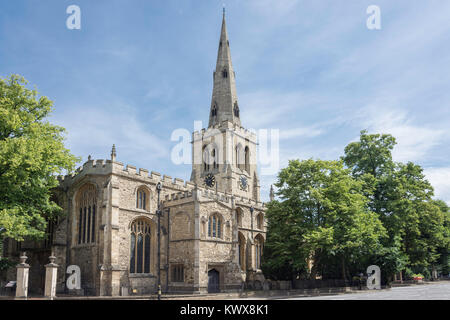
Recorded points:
308,132
440,180
93,131
414,142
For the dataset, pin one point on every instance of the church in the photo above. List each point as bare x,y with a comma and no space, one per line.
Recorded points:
130,229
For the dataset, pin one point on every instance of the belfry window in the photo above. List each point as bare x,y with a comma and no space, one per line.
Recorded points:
215,164
236,110
206,158
140,246
86,208
247,159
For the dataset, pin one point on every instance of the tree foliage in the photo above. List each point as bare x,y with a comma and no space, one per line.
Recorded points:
32,152
322,216
372,211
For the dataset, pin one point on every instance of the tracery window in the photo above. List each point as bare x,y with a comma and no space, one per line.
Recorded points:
215,226
140,246
87,209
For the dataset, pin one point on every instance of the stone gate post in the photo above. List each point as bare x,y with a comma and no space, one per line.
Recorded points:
22,277
51,271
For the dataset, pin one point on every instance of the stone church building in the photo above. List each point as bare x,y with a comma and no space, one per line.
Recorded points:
212,228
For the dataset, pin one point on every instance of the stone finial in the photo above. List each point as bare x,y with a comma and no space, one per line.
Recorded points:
272,193
113,153
52,259
23,258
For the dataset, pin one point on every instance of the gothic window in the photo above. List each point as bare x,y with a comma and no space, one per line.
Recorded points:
225,73
214,111
140,246
260,221
205,159
215,226
178,273
142,199
240,157
247,159
86,207
236,110
259,244
239,216
215,164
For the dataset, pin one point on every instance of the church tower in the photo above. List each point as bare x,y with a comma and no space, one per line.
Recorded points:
224,154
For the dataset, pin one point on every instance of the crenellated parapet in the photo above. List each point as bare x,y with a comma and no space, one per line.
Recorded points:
203,194
108,167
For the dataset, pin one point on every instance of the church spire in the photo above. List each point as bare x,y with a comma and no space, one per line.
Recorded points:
224,103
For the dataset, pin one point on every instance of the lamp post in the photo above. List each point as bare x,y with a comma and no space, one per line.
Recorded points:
158,213
253,243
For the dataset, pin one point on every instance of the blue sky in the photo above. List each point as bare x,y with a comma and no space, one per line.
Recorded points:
137,70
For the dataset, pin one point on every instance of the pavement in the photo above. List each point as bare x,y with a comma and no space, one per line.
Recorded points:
429,291
439,290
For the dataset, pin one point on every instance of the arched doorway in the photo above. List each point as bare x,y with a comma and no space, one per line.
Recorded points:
213,281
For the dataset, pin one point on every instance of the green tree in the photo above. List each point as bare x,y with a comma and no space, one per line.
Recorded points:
32,153
402,197
322,216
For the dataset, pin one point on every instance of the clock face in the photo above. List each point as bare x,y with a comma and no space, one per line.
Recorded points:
243,182
210,181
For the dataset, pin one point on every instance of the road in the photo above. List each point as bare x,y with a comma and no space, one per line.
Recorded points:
438,291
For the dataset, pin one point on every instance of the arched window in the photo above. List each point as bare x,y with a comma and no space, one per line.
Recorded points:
260,221
214,156
215,226
87,208
225,73
214,111
142,199
239,216
205,158
236,110
259,245
240,157
140,246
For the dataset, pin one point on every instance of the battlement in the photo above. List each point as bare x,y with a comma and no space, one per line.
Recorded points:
105,167
207,194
